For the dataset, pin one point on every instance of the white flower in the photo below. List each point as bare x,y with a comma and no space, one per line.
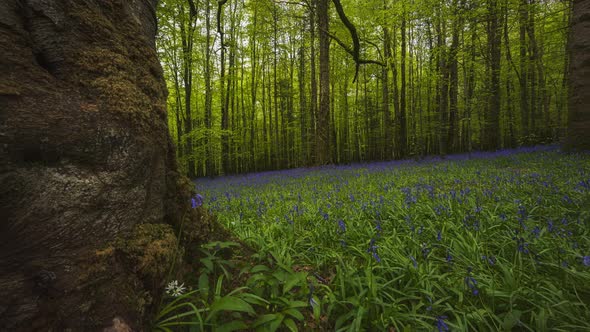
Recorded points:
175,290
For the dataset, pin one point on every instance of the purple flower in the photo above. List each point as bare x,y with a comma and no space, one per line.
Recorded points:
449,258
414,261
342,226
522,245
472,284
536,231
586,260
378,227
439,236
196,201
440,324
373,250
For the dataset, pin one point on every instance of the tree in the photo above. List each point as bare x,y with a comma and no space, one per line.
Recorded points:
323,155
579,78
491,128
89,189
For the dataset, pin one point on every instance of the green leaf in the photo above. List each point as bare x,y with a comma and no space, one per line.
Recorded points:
275,324
208,263
290,324
298,304
253,299
236,325
294,313
264,319
292,281
511,319
204,284
230,303
259,268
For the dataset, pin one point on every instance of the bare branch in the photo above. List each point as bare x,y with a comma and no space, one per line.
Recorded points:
356,43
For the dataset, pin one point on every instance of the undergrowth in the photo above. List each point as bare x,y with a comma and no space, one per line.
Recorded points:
487,242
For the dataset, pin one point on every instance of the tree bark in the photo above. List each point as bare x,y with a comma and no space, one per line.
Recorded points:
88,176
491,127
579,78
323,155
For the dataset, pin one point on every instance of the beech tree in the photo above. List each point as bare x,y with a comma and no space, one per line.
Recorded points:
90,194
579,78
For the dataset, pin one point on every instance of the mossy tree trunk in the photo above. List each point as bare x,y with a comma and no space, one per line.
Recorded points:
90,196
579,77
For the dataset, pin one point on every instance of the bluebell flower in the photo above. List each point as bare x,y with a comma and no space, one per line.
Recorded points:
472,285
414,262
492,260
522,245
586,260
378,227
440,324
376,256
536,231
373,250
439,236
342,226
196,201
449,258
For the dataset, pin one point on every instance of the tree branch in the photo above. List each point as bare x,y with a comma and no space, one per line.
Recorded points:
356,43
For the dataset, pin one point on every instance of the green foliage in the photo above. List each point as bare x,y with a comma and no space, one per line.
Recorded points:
479,244
267,89
270,299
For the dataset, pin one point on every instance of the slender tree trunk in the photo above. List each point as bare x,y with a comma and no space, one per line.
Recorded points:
313,107
443,94
453,133
210,159
511,142
388,144
323,155
223,93
403,124
524,99
186,35
491,139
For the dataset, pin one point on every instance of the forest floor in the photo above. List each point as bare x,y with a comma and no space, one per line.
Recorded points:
485,241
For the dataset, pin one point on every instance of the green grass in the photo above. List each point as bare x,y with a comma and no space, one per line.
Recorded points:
490,243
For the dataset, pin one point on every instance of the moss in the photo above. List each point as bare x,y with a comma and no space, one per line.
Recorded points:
151,250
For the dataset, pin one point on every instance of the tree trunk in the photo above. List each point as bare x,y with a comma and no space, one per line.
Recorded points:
491,127
388,144
403,131
323,155
88,173
313,105
579,78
